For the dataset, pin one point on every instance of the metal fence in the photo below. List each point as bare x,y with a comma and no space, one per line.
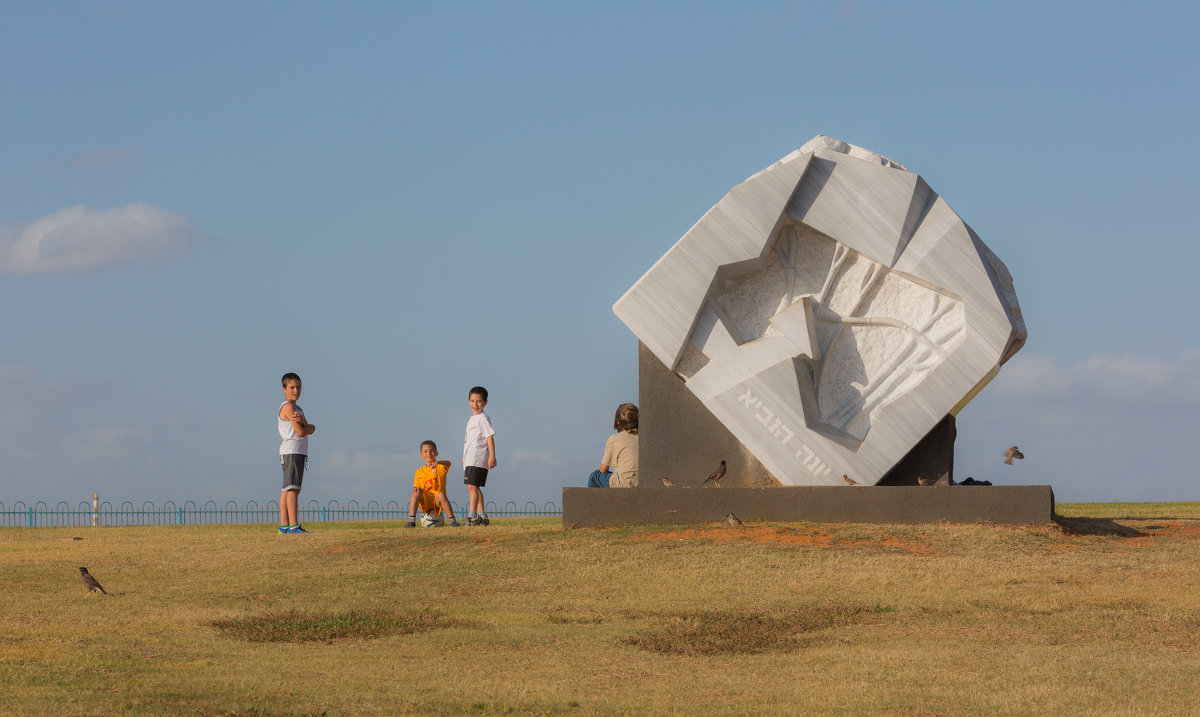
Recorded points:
41,515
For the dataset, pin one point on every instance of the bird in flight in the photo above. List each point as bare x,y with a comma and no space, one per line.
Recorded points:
733,519
667,482
1012,453
92,584
849,480
716,475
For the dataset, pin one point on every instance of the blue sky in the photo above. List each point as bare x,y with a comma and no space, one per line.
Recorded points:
400,200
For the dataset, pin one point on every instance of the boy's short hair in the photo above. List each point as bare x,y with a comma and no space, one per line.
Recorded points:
431,444
478,390
626,418
289,377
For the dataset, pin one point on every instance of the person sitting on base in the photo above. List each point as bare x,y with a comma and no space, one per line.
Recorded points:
619,466
429,488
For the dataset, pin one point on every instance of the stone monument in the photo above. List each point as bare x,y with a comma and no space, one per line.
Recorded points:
831,313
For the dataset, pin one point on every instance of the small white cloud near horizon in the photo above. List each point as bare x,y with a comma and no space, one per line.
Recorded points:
98,159
541,455
78,239
366,463
1106,382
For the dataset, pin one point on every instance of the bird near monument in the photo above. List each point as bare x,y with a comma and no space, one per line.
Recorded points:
716,475
733,520
1012,453
849,480
89,582
922,480
667,482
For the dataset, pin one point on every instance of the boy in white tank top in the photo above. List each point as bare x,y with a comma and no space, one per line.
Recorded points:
294,430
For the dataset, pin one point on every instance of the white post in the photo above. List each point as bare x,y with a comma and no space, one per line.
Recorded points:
95,509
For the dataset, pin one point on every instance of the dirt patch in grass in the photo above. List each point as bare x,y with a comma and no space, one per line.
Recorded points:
488,540
585,617
312,627
744,632
783,536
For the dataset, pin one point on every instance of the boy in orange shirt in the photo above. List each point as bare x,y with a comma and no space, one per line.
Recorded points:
429,487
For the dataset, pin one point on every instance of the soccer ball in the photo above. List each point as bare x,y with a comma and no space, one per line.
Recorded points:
432,521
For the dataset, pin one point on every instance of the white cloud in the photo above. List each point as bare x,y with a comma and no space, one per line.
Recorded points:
544,456
365,463
1107,383
79,239
99,159
1110,427
109,442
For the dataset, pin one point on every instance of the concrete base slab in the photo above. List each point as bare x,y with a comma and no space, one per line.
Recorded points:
1005,505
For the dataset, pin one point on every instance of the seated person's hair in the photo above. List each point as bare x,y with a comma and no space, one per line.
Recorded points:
431,444
290,377
626,418
478,390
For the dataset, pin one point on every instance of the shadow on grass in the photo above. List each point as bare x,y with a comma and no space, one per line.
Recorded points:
706,632
1096,526
314,627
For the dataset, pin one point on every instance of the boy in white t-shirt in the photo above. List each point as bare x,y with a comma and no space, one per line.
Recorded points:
479,455
294,430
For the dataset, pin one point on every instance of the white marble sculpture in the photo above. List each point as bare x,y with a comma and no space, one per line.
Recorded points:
829,311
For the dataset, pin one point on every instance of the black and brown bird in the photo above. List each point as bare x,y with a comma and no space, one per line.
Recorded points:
92,584
716,475
667,482
1012,453
922,480
849,480
733,520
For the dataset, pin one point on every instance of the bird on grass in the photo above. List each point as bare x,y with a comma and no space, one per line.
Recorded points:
849,480
667,482
92,584
733,520
716,475
1012,453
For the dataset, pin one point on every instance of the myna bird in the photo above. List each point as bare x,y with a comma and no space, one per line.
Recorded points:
89,582
716,475
1012,453
733,520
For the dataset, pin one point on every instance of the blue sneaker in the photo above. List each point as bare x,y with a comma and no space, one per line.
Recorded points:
284,530
298,529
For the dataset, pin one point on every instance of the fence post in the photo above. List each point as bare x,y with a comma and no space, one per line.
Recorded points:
31,517
322,514
95,509
181,516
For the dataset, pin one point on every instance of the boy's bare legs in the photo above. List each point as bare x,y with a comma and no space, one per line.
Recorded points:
476,498
412,508
288,501
447,511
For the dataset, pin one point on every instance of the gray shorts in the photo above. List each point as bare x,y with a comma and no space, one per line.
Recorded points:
293,470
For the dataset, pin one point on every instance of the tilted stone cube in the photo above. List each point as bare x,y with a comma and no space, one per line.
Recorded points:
829,311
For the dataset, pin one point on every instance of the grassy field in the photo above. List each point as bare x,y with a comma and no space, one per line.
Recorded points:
1099,614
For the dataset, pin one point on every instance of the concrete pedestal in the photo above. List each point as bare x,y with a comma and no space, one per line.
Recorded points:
1005,505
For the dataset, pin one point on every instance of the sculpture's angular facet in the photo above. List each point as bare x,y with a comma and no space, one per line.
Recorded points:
829,311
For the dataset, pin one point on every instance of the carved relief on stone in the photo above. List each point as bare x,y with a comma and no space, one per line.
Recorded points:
829,311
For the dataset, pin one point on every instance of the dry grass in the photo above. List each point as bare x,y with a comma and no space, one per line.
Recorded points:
1099,614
